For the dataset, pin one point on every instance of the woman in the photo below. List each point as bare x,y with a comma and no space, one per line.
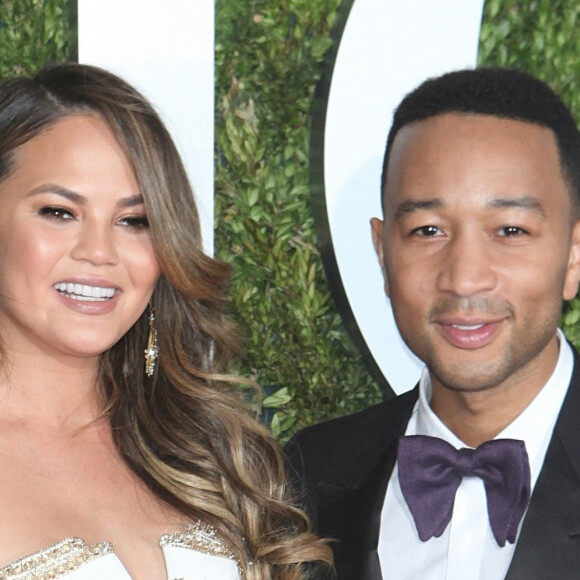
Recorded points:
118,432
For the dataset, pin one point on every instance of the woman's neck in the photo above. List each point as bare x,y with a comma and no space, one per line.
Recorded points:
50,391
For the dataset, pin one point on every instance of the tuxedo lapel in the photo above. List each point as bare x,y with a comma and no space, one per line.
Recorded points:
353,516
345,466
549,542
352,509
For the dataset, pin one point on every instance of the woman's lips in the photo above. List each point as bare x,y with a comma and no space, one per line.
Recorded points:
100,298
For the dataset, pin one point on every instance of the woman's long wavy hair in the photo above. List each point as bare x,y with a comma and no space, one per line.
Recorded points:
184,431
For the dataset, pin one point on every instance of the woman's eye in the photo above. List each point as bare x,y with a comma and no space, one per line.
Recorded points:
426,231
137,222
57,213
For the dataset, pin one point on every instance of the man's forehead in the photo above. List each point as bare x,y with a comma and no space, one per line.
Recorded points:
450,134
465,121
508,157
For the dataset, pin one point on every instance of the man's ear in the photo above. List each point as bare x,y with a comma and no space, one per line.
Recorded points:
377,229
572,279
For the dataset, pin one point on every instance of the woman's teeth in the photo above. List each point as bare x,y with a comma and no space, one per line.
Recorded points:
84,292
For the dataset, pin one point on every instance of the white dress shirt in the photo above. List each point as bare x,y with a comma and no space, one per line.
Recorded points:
467,548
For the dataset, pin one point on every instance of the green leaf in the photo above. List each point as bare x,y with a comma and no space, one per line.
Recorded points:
277,399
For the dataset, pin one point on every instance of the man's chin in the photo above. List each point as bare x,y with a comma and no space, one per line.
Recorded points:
468,377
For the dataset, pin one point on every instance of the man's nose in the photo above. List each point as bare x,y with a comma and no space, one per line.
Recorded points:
467,266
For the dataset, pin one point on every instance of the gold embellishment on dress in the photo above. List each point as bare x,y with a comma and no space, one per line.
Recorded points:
56,561
203,538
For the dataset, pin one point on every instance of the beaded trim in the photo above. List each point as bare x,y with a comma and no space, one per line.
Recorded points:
62,558
72,553
203,538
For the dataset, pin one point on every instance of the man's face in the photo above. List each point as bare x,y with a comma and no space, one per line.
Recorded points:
478,248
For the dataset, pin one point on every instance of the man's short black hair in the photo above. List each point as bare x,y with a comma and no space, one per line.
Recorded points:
498,92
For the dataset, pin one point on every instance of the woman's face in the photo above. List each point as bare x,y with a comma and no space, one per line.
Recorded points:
77,266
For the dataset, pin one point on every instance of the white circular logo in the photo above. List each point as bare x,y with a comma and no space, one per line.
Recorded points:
385,49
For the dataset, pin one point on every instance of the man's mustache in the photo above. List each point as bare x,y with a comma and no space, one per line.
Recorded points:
472,305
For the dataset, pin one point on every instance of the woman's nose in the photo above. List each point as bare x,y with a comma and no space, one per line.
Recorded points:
95,244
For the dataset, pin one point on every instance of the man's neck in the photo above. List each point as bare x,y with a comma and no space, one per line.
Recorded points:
476,417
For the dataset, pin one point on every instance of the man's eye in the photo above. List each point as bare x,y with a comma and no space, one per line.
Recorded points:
509,231
57,213
426,231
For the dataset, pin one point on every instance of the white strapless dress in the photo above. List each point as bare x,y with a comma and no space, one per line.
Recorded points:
198,553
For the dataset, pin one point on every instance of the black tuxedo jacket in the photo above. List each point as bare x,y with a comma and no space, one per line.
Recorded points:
343,467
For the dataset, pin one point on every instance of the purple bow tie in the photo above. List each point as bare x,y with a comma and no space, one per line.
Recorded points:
430,471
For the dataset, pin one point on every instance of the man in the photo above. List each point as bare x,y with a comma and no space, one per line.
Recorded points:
479,245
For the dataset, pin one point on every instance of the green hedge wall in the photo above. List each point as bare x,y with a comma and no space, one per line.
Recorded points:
32,33
269,57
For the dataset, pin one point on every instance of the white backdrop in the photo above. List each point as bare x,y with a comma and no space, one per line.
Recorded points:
387,48
166,50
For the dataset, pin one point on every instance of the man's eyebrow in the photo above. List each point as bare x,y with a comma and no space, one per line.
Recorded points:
411,205
526,202
81,199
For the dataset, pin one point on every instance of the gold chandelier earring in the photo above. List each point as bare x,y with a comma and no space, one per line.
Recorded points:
152,351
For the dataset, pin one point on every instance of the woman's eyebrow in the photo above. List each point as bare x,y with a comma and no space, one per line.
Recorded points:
78,198
130,201
58,190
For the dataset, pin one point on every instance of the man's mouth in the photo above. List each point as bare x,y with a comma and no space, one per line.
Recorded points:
85,292
470,336
468,326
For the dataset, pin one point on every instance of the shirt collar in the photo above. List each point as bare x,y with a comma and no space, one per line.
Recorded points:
534,425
